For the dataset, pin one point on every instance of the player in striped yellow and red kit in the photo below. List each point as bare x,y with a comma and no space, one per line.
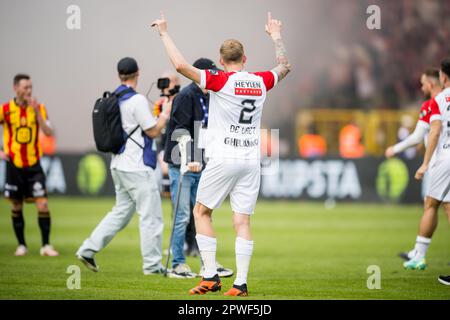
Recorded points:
22,118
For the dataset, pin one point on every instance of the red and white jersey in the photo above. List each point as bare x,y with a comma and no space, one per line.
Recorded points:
425,112
440,110
235,110
424,118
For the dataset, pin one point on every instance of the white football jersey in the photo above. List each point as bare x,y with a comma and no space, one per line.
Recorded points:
235,110
440,110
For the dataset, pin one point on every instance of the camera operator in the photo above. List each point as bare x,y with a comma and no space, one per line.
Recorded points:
169,84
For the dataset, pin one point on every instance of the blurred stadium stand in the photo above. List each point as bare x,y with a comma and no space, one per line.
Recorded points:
379,128
367,69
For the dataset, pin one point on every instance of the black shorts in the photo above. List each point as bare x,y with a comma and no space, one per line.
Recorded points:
25,183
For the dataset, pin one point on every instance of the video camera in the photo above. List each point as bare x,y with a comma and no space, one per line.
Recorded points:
164,83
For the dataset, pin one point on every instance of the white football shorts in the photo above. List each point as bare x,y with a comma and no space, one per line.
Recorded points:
439,180
238,178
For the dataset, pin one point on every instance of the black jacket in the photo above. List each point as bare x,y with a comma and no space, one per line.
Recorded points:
186,116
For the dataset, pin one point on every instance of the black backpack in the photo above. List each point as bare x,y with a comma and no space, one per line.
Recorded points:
109,135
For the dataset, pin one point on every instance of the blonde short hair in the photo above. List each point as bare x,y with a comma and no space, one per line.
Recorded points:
232,51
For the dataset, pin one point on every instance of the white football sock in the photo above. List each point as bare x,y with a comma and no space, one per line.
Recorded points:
412,254
421,247
244,250
207,247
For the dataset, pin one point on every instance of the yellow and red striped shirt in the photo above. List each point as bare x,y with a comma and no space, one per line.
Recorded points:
21,133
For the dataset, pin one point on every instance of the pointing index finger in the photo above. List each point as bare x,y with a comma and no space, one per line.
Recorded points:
269,17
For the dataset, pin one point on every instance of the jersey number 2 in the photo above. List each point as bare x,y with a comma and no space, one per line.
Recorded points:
247,119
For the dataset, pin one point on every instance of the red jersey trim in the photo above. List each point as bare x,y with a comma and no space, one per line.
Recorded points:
214,80
23,147
7,116
268,77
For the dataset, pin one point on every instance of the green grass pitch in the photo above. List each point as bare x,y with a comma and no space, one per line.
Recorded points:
302,251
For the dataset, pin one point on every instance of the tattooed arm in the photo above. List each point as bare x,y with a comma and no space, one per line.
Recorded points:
273,29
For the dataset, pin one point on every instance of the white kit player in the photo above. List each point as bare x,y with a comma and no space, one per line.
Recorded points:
431,87
231,145
438,148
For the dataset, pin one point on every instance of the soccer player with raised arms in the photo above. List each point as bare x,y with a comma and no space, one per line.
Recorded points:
231,146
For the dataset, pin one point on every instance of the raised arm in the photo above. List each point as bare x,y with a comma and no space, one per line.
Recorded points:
273,29
177,59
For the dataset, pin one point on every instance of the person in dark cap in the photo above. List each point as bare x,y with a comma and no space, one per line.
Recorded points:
127,66
133,173
189,114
